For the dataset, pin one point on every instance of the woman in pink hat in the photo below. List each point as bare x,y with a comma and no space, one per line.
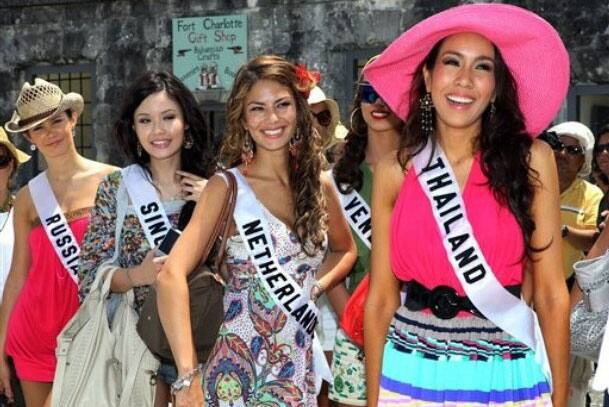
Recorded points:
469,200
51,215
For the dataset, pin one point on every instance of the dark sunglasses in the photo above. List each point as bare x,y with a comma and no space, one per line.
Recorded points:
367,94
5,160
571,150
602,148
324,118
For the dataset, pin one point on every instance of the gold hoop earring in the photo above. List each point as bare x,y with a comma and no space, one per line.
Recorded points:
351,119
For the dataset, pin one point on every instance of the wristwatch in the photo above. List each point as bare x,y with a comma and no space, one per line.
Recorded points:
564,231
186,380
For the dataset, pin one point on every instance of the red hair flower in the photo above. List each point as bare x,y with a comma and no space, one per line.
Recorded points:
306,80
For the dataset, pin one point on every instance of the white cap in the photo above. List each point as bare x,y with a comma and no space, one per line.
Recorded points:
584,136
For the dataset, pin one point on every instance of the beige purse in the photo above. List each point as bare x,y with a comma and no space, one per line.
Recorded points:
101,360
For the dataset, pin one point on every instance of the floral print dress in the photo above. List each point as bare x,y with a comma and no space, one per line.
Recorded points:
262,357
99,242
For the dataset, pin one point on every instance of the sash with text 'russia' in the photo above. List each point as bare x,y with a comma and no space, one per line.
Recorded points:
55,224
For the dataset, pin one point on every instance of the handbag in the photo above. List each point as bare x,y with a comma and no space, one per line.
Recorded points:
352,320
589,317
101,360
206,291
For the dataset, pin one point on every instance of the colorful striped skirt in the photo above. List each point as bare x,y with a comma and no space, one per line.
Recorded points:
469,361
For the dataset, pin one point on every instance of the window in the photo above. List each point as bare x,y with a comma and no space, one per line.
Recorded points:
589,104
79,79
355,62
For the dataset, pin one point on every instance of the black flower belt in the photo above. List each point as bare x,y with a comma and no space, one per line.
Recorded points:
443,301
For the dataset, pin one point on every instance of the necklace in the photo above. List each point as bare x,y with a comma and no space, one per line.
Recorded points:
5,209
175,197
7,204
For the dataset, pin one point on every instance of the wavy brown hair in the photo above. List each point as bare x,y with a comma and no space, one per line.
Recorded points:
503,143
304,169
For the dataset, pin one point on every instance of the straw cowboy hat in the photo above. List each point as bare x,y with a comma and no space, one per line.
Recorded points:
530,46
39,102
19,156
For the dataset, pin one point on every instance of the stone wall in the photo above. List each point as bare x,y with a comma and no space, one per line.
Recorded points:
123,38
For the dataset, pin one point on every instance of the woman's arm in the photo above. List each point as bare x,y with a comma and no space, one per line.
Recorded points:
342,252
172,288
384,291
99,245
601,245
16,278
550,291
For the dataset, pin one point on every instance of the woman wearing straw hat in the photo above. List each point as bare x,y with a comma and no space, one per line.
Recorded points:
51,215
469,199
326,120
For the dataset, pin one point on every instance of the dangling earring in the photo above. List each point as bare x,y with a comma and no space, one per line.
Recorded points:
492,111
294,146
247,152
351,118
188,141
139,149
426,105
32,147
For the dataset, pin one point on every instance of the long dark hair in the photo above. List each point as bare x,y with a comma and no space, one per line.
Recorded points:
504,143
346,171
198,160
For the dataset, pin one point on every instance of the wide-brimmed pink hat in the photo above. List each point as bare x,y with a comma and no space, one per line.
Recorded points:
530,46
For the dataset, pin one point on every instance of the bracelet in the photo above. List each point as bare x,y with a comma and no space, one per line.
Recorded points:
317,290
185,381
127,273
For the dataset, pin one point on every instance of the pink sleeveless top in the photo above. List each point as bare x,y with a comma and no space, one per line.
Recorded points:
417,252
48,300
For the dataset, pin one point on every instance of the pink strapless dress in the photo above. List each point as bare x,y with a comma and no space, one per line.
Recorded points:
48,300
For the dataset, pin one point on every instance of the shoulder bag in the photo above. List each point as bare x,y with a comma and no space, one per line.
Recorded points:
205,289
101,360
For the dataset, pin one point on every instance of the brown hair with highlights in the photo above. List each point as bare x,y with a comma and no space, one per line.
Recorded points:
304,169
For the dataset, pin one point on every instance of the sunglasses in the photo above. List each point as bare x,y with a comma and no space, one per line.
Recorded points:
367,94
601,148
324,118
571,150
5,160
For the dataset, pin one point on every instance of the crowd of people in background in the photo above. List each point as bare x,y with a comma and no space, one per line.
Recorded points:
420,253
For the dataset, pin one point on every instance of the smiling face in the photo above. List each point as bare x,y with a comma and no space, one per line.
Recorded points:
462,81
270,115
378,117
159,124
53,137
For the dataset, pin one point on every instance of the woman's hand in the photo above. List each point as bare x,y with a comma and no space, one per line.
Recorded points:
146,272
192,185
5,378
191,397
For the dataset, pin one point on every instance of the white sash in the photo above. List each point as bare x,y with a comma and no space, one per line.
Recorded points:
146,203
285,291
357,212
55,224
509,313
